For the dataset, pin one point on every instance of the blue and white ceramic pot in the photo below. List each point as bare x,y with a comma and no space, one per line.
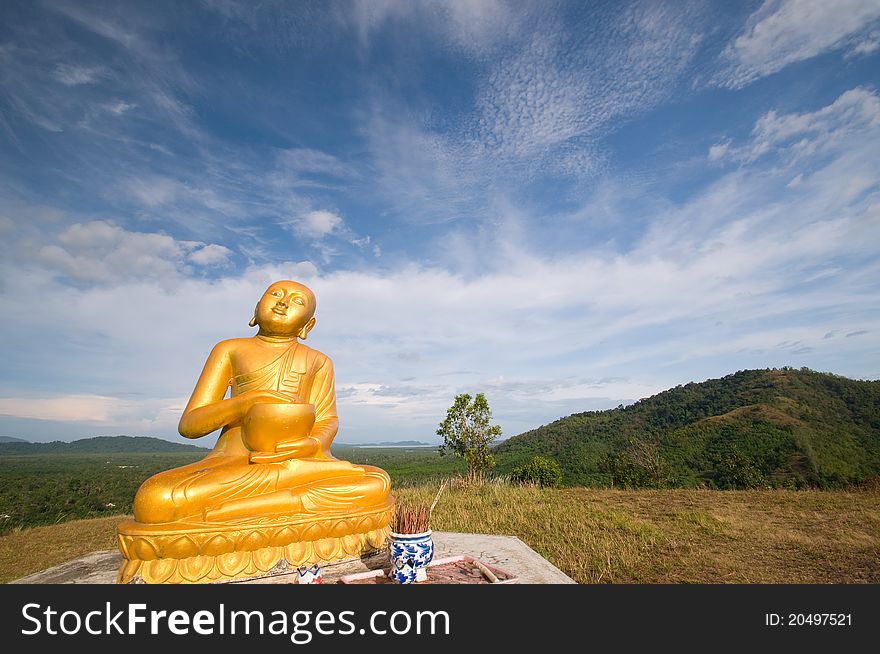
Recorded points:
410,555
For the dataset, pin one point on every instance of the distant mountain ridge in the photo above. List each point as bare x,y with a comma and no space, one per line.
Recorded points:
776,427
12,439
386,444
100,445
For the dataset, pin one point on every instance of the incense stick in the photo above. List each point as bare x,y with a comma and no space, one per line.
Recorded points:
411,519
414,519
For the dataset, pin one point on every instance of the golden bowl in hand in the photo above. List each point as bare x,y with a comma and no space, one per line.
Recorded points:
266,424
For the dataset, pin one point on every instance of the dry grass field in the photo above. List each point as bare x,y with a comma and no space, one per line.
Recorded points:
680,536
608,536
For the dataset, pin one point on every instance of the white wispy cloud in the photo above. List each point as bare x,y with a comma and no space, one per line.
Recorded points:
119,107
803,134
866,47
782,32
425,177
154,191
90,415
104,253
211,255
68,408
474,26
155,160
561,84
325,231
297,162
57,82
73,74
108,24
539,110
318,224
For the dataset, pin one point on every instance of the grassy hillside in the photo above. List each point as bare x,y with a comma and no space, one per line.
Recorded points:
100,445
602,536
785,428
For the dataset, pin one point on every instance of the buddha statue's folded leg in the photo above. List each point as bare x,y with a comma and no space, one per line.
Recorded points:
184,492
364,491
335,487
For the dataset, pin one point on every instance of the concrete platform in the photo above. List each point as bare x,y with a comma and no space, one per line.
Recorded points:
506,552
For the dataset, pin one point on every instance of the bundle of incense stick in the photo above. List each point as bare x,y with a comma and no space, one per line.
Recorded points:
411,519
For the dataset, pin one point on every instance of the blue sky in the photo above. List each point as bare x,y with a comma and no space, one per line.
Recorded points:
566,206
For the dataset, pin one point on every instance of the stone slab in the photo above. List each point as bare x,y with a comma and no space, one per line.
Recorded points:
506,552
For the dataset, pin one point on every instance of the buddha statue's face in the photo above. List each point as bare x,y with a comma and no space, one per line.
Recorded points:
286,309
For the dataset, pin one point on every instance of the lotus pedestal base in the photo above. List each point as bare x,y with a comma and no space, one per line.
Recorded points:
199,553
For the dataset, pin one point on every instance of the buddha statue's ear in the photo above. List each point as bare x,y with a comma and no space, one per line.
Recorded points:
253,322
304,332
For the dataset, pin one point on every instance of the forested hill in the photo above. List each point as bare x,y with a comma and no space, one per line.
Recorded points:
100,445
777,427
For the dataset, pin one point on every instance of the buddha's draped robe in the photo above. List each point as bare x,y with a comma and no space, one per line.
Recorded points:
299,371
225,484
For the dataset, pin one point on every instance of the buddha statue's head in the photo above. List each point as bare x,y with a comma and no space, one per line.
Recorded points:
287,308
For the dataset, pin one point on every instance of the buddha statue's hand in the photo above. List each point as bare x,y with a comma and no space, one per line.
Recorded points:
301,448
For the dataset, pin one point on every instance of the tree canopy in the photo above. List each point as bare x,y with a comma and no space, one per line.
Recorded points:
467,433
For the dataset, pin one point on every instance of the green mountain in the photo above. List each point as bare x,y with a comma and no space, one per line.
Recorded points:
100,445
12,439
775,427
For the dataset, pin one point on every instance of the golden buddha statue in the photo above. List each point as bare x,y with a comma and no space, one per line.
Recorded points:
269,496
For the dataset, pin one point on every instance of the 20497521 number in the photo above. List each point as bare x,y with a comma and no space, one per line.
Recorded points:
819,619
808,619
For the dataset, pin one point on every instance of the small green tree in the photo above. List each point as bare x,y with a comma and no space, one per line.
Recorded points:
734,470
467,433
624,473
542,471
645,453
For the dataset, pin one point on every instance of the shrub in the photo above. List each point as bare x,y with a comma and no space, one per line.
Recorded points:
735,470
541,471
